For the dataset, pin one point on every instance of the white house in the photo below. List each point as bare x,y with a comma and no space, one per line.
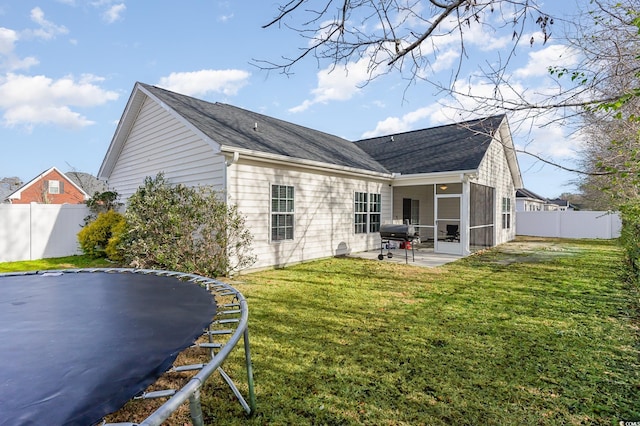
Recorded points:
307,194
529,201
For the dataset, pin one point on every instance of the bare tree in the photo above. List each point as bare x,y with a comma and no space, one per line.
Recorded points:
405,37
612,151
397,35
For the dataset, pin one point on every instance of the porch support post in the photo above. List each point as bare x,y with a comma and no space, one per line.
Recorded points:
465,215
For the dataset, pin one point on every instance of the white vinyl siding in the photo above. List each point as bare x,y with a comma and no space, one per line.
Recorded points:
323,211
158,142
494,172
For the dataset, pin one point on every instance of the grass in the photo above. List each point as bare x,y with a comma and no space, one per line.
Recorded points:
68,262
537,332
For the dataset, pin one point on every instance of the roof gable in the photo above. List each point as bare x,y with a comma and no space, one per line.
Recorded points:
525,193
448,148
231,126
453,147
16,194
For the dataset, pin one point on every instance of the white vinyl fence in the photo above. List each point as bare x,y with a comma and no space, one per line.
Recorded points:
569,224
38,231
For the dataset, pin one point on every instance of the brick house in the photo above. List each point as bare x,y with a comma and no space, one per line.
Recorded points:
49,187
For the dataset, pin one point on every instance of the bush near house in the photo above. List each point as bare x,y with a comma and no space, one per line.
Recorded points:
171,227
184,229
101,237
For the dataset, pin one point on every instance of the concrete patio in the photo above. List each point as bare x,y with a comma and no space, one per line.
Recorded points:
424,256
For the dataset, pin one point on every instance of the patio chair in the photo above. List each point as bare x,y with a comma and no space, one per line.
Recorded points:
453,233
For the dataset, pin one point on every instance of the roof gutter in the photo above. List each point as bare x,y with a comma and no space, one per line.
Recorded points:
434,178
284,160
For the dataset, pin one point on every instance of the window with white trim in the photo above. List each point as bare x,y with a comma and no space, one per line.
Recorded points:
282,212
506,213
360,209
54,187
375,207
367,212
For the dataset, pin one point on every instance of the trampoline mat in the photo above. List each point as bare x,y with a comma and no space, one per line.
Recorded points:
75,347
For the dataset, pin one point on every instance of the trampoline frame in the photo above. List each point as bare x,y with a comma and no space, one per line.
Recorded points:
234,315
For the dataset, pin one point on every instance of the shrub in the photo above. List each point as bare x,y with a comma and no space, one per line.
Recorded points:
101,202
630,237
114,249
99,238
185,229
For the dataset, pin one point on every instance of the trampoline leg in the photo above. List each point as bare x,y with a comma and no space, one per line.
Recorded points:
247,357
196,409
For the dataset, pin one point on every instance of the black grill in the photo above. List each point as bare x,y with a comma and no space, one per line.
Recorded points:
395,232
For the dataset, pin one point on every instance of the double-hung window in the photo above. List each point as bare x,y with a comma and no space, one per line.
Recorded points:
506,213
367,208
375,207
282,212
54,187
360,208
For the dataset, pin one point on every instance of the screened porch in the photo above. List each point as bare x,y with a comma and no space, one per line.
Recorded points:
453,217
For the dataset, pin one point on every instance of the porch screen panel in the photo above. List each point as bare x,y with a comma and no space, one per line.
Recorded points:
482,219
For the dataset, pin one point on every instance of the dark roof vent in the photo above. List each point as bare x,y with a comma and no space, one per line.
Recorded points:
255,126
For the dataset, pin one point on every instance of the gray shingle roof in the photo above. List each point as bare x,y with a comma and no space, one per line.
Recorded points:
525,193
89,183
459,146
234,127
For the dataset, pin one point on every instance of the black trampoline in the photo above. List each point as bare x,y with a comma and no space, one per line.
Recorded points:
77,345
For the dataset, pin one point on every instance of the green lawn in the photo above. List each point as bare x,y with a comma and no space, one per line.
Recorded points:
68,262
543,336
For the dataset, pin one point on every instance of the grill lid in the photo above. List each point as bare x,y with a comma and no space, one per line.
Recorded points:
404,232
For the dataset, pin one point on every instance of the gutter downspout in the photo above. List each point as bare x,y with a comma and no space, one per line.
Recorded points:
229,161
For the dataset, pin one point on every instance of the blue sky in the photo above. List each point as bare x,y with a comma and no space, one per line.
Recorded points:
67,68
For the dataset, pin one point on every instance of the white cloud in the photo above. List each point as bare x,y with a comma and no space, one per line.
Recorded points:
8,39
48,29
114,13
540,61
446,60
8,59
443,50
337,84
225,16
551,141
539,134
200,83
35,100
403,123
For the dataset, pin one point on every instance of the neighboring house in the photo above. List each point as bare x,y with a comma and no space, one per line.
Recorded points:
49,187
563,205
7,186
529,201
89,183
307,194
